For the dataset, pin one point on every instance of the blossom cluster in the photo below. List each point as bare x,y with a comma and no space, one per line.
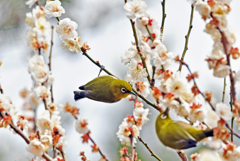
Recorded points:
215,12
129,128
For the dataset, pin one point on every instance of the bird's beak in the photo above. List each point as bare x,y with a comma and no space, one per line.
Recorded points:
166,111
131,92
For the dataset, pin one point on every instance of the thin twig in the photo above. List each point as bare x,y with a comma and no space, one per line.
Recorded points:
231,105
224,88
132,148
45,104
149,33
50,63
182,155
183,63
98,147
163,19
187,37
152,154
1,90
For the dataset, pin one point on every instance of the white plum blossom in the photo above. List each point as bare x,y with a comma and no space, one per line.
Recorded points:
204,9
237,76
211,119
38,12
197,115
130,54
5,103
135,8
46,139
36,60
67,29
44,121
53,9
73,44
208,155
177,84
224,111
30,19
162,57
42,92
143,88
81,126
140,115
35,147
136,72
30,3
123,133
222,71
43,25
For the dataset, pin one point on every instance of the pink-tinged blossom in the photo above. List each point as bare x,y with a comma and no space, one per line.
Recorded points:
135,8
224,111
67,29
53,9
35,147
81,126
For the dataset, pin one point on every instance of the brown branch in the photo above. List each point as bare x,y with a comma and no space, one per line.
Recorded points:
195,83
163,19
182,155
152,154
232,87
50,63
132,148
187,37
98,147
1,90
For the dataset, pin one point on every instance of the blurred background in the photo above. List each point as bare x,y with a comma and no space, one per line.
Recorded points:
106,29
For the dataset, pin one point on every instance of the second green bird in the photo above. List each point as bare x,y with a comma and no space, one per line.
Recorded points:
105,89
177,134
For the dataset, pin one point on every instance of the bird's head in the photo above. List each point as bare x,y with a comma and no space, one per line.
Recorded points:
122,89
163,118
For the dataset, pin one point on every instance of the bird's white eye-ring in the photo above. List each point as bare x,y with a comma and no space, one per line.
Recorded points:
123,90
163,116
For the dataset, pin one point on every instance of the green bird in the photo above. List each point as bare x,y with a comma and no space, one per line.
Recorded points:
178,134
105,89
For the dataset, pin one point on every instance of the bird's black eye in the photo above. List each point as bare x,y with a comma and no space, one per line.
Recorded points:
123,90
163,116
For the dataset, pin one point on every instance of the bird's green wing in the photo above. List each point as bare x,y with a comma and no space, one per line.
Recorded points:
101,81
176,137
197,134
